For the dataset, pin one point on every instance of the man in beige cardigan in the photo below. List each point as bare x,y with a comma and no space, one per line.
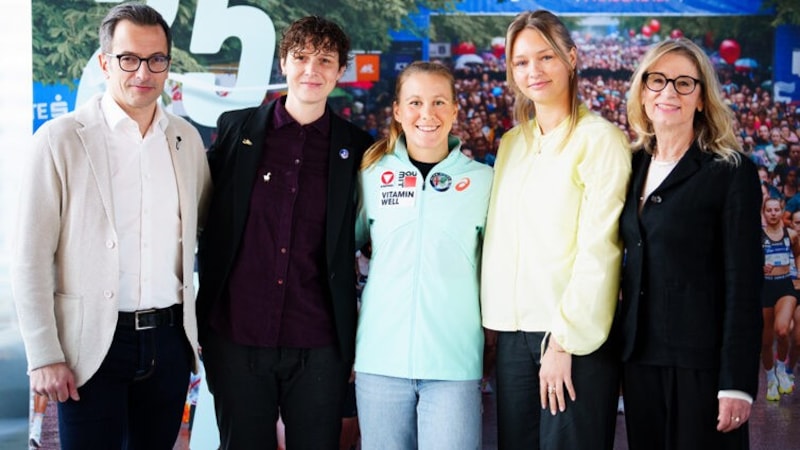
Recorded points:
103,266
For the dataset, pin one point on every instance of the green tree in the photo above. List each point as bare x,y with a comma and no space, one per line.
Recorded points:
787,12
65,32
63,38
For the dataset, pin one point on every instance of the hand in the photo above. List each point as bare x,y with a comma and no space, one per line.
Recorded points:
767,269
733,412
554,375
56,382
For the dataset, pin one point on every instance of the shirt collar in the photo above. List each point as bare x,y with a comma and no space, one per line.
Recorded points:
282,118
115,115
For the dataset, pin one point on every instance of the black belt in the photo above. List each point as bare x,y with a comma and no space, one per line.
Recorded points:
152,318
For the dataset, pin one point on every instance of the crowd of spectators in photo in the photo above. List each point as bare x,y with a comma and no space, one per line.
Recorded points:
767,128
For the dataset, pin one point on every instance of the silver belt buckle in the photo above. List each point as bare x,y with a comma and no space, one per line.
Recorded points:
136,325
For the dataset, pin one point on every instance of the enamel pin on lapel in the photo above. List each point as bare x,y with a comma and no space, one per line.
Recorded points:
246,141
344,153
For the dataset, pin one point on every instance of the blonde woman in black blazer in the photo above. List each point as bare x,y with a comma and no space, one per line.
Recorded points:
689,323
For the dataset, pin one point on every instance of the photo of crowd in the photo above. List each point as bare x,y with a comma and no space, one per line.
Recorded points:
607,63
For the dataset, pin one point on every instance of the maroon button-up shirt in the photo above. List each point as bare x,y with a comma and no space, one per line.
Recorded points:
278,288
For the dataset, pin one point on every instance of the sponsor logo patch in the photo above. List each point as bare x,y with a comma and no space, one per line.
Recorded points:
441,181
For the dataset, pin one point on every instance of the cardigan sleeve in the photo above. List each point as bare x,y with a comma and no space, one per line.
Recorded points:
38,230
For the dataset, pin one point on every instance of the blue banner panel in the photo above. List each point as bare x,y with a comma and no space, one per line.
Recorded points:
51,101
786,69
616,7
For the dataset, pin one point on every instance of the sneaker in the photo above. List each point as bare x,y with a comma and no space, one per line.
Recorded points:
785,385
772,391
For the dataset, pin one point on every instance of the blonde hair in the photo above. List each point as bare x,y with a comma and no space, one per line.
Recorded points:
386,145
557,35
713,126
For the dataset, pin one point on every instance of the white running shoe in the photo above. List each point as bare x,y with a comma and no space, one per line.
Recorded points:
772,391
785,385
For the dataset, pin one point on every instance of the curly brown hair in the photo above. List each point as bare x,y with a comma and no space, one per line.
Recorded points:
320,33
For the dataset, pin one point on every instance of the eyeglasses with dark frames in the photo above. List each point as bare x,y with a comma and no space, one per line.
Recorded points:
131,63
657,82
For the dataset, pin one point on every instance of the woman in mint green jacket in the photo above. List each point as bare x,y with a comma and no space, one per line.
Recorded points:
419,346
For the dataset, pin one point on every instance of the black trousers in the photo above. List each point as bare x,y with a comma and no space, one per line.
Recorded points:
135,400
251,385
588,423
675,408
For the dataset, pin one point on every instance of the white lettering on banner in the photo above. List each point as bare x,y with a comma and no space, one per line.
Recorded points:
56,108
40,111
215,21
367,68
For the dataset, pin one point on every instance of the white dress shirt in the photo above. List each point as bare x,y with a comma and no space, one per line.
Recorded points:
146,210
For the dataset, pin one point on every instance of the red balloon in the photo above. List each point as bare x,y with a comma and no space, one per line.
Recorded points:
498,50
655,25
730,50
647,31
676,34
465,48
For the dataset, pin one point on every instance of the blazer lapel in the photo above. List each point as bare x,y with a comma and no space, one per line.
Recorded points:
178,163
340,179
92,137
248,151
687,166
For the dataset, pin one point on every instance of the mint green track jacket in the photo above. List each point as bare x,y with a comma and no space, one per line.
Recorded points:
420,314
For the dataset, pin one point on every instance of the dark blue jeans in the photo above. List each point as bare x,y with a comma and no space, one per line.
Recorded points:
135,400
588,423
251,384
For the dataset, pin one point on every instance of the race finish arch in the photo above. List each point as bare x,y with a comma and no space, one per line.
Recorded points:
786,56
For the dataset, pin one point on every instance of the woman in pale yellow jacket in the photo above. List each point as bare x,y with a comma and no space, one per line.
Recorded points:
552,254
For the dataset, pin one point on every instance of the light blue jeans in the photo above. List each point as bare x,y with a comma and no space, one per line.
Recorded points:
405,414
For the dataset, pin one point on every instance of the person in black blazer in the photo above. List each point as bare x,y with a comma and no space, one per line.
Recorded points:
277,300
689,321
